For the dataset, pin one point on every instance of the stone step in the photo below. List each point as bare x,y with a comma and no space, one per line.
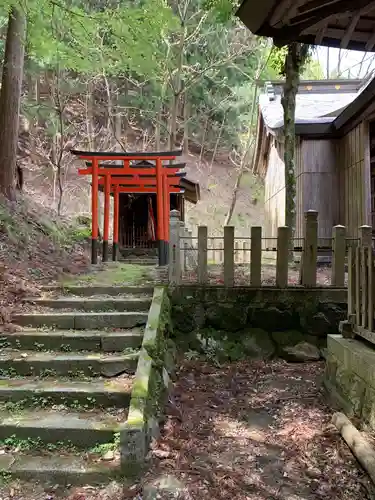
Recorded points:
83,430
96,392
88,291
14,362
113,304
56,469
73,340
82,321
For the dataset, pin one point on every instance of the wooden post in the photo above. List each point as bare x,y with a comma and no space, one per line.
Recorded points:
228,255
116,221
365,241
107,201
310,249
94,210
351,283
338,256
283,236
365,236
202,254
160,212
371,283
174,270
183,234
256,257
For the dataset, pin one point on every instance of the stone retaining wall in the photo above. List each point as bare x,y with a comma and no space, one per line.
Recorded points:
150,387
260,323
350,377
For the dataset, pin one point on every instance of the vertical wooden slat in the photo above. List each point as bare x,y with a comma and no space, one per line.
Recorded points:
245,248
282,256
202,254
364,287
370,288
310,249
358,285
228,255
256,256
213,243
373,290
351,281
338,256
236,252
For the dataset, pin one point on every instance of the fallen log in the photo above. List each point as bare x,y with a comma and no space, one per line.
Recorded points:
360,447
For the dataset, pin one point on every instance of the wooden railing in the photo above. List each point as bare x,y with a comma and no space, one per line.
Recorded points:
231,260
361,283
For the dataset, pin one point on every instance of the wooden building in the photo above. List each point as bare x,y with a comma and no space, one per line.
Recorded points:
346,24
334,156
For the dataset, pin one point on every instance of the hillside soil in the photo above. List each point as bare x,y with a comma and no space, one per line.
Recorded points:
36,248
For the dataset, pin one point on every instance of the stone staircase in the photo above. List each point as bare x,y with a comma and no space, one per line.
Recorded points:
66,376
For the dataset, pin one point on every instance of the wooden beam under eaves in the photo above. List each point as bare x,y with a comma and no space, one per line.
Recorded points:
303,22
320,35
353,23
280,11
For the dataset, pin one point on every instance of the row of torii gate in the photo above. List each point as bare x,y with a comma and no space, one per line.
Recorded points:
113,179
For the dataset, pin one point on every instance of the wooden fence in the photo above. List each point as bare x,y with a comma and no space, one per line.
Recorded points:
234,261
361,283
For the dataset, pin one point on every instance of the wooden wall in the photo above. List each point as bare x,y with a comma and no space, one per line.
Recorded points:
316,184
353,167
274,196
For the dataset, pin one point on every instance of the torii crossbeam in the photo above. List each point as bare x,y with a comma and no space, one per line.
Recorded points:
161,179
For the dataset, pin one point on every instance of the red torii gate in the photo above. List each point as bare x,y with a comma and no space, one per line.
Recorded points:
160,179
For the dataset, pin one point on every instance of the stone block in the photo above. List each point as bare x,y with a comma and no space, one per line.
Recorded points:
288,337
257,343
300,353
330,368
368,407
229,317
355,356
133,449
272,319
317,324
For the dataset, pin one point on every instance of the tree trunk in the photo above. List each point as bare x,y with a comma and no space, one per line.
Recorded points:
90,127
10,100
295,58
186,124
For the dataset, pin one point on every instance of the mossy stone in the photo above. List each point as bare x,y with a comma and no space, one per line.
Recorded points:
257,343
287,338
228,317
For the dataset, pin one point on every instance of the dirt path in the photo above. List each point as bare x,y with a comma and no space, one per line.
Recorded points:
255,431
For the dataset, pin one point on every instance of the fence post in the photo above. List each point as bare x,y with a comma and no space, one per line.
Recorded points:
228,255
363,292
351,283
310,248
365,236
182,244
256,256
174,270
338,256
283,236
202,254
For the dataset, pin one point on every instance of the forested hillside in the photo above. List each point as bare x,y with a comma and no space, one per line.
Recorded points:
126,75
131,75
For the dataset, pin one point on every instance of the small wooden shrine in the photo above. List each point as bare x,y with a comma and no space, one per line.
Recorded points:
145,188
